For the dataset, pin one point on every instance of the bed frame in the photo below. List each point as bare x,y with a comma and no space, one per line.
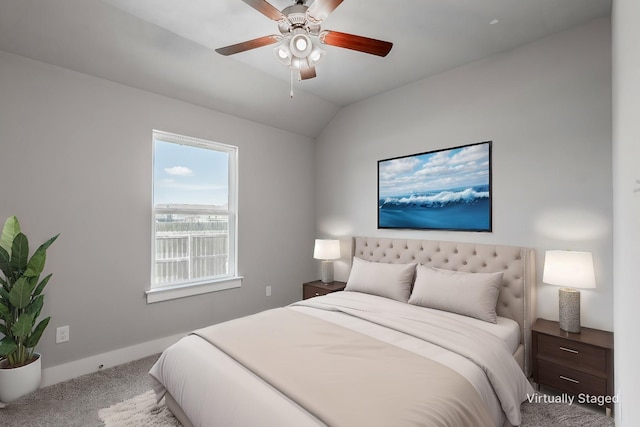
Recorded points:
517,294
517,299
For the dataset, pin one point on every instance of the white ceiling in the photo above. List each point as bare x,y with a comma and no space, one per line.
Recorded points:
166,46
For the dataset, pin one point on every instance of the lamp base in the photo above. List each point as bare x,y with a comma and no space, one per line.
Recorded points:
569,310
327,272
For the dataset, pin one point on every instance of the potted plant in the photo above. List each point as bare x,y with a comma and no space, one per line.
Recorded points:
21,301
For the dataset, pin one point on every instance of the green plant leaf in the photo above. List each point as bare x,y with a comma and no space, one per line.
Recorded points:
9,231
5,264
35,306
22,327
41,286
5,313
4,330
20,294
19,252
33,339
38,259
48,243
7,346
36,263
4,284
4,295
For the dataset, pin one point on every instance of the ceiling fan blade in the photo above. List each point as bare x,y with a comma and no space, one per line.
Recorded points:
308,73
248,45
320,9
266,9
353,42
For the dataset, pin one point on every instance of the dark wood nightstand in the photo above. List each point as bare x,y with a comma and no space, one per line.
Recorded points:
579,364
317,288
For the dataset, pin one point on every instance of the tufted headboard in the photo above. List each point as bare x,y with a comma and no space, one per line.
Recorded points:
517,295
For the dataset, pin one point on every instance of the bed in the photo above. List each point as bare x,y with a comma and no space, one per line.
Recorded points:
413,340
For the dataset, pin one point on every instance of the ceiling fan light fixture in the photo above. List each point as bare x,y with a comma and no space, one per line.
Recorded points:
282,53
317,53
299,63
300,44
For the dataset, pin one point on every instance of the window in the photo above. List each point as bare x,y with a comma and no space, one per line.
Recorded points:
194,217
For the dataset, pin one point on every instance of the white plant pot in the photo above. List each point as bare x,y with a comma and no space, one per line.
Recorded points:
18,382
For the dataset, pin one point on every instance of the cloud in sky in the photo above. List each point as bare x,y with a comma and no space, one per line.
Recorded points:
398,166
173,185
179,171
443,170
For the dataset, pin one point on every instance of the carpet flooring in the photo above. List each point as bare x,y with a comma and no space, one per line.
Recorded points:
75,403
125,389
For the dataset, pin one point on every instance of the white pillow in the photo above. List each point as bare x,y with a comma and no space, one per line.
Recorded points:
382,279
469,294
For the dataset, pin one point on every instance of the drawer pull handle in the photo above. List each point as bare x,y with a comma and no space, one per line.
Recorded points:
569,379
569,350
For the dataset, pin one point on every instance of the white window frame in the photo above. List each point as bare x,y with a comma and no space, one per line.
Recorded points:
197,287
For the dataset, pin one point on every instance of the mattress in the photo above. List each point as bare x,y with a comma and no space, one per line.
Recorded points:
213,389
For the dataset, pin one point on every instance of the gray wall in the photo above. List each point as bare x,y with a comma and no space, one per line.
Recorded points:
626,205
547,109
76,158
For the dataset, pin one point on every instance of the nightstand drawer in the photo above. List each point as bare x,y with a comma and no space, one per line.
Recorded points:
570,380
317,288
568,353
310,292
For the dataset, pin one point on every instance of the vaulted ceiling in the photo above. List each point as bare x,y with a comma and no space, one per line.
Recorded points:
167,47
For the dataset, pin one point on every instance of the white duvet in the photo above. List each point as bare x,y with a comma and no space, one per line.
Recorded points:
214,390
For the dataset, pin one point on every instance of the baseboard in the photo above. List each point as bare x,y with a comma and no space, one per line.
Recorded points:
77,368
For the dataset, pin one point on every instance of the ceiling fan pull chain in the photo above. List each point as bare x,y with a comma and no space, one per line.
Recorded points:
291,92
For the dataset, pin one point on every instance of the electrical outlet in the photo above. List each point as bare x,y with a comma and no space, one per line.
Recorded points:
62,334
268,290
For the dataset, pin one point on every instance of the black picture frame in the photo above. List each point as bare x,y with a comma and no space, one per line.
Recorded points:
446,189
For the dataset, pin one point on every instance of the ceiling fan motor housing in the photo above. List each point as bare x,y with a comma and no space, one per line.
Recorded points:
297,18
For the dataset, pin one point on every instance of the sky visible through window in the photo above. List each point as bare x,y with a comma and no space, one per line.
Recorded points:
189,175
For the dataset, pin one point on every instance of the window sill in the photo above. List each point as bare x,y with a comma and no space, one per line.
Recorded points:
191,289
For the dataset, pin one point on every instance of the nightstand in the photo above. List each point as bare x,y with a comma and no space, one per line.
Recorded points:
579,364
317,288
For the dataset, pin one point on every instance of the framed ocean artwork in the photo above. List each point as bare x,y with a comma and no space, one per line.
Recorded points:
447,189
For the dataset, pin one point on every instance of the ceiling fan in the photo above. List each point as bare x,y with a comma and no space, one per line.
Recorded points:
300,36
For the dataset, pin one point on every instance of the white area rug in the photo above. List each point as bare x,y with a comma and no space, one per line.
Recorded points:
139,411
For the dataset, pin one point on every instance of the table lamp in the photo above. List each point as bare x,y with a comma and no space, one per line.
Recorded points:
327,250
572,270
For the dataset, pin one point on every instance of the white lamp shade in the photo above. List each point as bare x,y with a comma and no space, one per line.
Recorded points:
569,268
326,249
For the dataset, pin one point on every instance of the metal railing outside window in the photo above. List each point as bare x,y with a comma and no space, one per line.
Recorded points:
190,248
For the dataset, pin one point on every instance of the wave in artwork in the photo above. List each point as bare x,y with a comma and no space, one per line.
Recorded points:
466,208
437,200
